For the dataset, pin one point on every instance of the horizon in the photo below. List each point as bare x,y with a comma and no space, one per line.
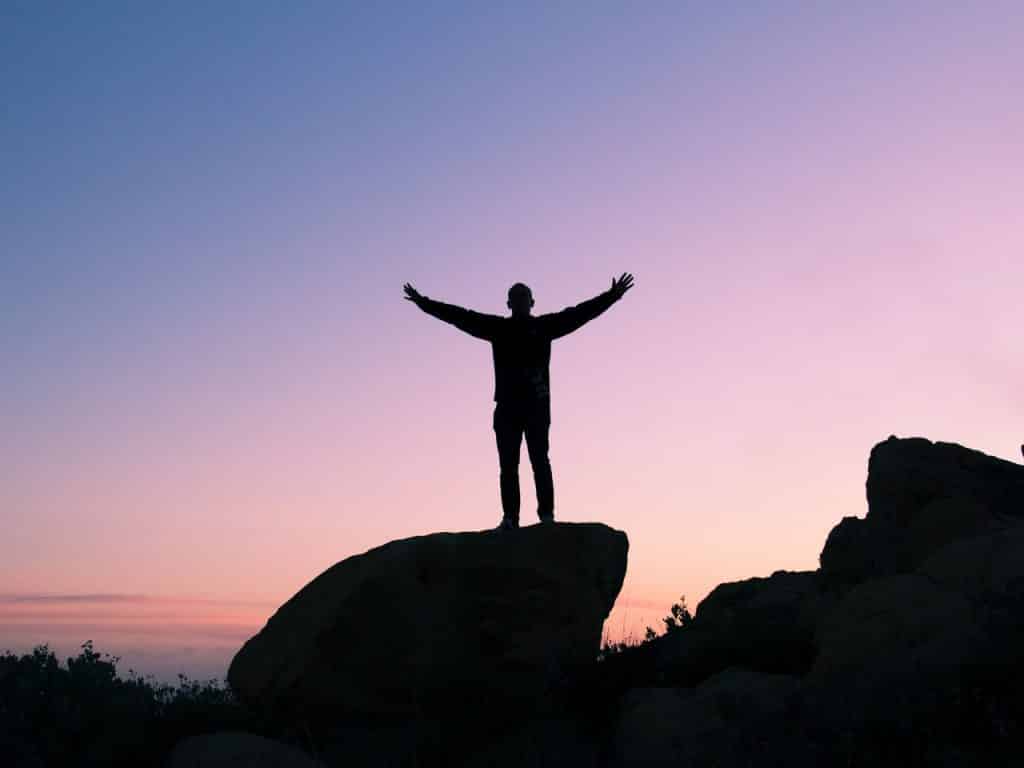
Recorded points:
215,391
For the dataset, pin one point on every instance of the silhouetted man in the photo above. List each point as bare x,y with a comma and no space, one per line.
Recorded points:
521,347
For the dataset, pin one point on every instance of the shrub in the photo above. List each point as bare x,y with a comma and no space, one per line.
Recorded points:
679,616
84,713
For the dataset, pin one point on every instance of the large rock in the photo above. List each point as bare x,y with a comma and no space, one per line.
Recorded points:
989,572
763,624
905,475
857,549
235,749
445,623
983,568
767,624
906,651
735,718
921,497
906,620
544,742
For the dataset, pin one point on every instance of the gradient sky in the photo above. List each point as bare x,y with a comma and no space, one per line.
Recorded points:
212,389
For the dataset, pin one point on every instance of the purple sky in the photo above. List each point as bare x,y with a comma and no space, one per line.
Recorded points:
213,389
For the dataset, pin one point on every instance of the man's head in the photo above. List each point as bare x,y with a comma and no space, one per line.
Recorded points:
520,300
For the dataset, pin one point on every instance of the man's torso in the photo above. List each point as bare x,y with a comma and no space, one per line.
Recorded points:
522,356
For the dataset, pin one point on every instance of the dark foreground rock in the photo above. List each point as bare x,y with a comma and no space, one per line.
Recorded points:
903,648
233,750
921,496
906,475
761,624
714,723
446,623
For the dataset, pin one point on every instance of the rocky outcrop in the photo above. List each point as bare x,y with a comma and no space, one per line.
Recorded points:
906,639
762,624
906,475
712,724
233,749
450,622
921,496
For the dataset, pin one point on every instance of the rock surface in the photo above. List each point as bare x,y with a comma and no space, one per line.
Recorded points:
903,646
921,496
905,475
709,724
762,624
447,622
235,750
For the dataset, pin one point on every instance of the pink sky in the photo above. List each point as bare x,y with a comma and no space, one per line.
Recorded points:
218,391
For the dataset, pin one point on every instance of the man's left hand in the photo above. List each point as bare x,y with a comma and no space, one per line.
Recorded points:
620,286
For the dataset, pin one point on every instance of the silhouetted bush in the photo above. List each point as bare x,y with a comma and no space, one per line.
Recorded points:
679,616
83,713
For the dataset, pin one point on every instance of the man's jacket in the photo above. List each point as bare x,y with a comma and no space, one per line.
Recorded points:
521,346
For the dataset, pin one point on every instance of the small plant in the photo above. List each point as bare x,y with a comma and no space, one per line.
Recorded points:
679,616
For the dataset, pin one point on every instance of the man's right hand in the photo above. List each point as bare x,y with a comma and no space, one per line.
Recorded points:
411,294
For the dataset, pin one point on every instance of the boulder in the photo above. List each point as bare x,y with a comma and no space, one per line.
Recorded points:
368,744
767,624
894,655
857,549
905,618
763,624
921,496
983,568
988,571
450,622
234,749
547,742
735,718
904,475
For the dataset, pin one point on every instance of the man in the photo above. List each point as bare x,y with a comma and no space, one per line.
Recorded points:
521,347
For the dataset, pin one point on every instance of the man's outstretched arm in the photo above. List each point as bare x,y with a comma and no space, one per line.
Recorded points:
474,323
568,320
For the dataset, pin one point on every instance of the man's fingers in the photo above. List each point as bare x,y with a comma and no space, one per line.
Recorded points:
623,284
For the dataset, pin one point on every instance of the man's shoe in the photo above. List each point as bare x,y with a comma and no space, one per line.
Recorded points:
507,525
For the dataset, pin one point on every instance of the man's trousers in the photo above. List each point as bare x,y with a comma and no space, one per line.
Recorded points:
513,419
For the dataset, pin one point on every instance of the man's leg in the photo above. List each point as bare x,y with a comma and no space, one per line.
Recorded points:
508,431
538,424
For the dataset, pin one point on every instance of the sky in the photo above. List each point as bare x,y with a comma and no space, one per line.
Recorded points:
213,390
